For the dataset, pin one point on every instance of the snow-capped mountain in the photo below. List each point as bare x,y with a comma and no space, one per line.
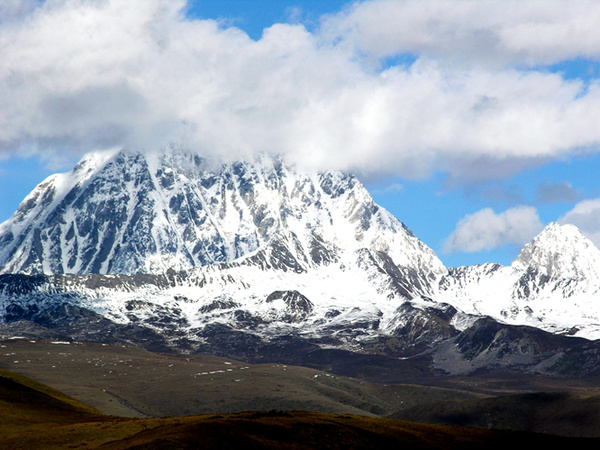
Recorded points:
175,251
560,261
196,243
146,213
554,284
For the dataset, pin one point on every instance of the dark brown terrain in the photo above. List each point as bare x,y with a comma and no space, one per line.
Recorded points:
128,381
149,399
33,415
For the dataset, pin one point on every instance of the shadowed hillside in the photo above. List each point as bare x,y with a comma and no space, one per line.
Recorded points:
35,416
564,413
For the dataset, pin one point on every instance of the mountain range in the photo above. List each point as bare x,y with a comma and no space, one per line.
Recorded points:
258,259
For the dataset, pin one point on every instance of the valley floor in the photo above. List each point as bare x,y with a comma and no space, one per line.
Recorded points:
131,391
33,415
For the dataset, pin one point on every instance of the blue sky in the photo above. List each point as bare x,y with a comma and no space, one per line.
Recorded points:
474,122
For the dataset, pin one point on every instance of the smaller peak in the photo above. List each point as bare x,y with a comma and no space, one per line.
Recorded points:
560,248
566,229
556,234
552,226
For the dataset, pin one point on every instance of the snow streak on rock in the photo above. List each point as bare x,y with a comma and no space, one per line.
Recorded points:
554,284
135,213
179,245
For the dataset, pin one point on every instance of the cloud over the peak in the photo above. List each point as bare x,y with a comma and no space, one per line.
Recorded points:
82,75
487,230
585,215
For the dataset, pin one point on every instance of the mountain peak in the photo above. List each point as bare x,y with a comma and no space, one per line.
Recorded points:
128,212
561,250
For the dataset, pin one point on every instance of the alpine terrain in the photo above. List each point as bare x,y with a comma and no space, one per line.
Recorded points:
258,260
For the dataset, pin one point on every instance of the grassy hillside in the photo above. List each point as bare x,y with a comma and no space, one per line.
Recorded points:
124,381
128,381
35,416
27,406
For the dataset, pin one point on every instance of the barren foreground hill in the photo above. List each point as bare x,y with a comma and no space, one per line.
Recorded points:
36,416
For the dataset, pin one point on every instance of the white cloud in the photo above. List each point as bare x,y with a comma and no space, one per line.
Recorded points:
487,230
80,75
585,215
490,32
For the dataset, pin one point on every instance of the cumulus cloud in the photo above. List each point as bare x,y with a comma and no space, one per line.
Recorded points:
82,75
585,215
487,230
472,32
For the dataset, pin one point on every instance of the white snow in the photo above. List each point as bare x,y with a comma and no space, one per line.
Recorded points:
212,220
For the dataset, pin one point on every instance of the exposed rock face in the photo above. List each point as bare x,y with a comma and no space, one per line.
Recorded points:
560,259
173,251
554,284
137,213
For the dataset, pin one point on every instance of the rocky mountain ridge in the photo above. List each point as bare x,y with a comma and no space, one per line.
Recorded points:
136,213
175,252
554,284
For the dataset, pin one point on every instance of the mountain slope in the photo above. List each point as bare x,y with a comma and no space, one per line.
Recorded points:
182,252
58,425
554,284
146,213
559,262
251,259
